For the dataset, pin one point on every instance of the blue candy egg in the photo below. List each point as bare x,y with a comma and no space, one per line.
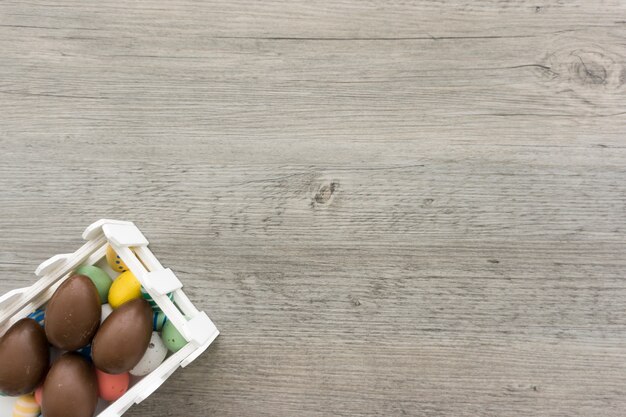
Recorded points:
39,316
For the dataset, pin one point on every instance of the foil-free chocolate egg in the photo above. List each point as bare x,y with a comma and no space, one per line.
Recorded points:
24,356
71,388
123,338
73,314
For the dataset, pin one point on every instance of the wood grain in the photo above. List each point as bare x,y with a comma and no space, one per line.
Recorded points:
388,208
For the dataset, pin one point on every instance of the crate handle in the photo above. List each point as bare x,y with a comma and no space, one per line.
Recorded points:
12,295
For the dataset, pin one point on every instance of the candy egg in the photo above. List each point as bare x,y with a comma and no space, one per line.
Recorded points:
114,261
172,339
26,406
24,357
158,320
153,357
125,288
39,394
106,311
71,388
39,316
85,352
112,387
100,279
123,338
153,304
73,314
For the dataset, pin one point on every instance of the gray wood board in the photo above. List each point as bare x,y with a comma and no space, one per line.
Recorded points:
388,208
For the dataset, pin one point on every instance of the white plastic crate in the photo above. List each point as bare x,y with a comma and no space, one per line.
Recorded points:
132,247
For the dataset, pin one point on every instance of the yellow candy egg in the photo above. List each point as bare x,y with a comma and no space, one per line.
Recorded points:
125,288
115,262
26,406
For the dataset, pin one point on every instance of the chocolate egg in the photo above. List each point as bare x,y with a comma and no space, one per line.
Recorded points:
123,338
24,356
73,314
71,388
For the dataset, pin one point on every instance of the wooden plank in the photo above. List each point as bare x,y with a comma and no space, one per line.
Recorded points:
388,208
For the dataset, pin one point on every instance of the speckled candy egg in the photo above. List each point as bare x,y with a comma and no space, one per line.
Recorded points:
172,339
154,356
101,280
125,288
158,320
112,387
26,406
114,261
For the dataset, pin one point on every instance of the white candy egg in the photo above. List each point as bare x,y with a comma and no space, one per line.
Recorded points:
106,310
153,357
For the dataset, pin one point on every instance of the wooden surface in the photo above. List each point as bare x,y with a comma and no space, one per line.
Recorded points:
388,208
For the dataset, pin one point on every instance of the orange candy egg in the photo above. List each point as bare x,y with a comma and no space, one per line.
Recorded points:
112,387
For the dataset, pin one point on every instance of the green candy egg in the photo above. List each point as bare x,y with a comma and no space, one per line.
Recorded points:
172,339
101,280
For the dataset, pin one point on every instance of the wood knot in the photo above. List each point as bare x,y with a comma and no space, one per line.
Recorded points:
325,193
587,68
355,301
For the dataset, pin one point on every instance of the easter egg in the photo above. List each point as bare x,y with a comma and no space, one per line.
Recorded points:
172,339
38,394
85,352
73,314
26,406
38,316
158,320
154,356
71,388
114,261
123,338
24,357
153,304
106,311
100,279
112,387
125,288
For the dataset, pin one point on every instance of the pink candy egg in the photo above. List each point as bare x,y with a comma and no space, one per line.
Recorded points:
38,394
112,387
